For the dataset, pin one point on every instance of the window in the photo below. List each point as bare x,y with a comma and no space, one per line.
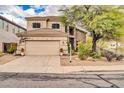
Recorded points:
71,30
7,27
55,26
18,30
3,25
13,30
36,25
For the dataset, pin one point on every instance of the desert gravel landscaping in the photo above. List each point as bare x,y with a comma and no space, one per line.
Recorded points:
89,62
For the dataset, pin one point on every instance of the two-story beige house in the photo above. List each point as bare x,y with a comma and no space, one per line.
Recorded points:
47,36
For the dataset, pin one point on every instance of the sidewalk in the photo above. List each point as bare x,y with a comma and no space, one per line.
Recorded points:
88,69
64,69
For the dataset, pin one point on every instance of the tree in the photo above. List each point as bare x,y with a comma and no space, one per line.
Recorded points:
103,22
69,17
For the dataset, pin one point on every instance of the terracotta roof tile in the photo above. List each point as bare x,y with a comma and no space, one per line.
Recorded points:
42,33
44,18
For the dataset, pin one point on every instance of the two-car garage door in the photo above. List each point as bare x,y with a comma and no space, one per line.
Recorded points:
42,47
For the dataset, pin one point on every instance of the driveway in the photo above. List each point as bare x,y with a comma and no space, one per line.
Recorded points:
37,64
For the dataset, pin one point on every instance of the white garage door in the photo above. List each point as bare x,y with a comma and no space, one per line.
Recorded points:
42,47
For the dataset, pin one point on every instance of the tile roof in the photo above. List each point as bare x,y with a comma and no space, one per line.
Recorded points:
8,37
44,32
44,18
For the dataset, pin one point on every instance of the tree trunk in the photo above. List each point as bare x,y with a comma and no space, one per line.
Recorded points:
94,44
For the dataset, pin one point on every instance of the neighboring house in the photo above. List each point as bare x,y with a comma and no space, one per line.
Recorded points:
8,29
6,40
116,46
9,26
47,36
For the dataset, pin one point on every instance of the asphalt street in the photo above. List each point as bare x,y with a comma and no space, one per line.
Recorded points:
31,80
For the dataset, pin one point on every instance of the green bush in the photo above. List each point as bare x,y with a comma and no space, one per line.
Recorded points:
119,57
96,55
11,50
83,50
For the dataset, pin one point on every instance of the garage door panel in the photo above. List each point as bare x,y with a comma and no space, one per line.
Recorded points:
42,48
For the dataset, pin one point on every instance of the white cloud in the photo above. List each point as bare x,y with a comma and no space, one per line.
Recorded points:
29,12
17,14
15,19
52,10
12,13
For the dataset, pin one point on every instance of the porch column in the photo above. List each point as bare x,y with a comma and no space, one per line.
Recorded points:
75,38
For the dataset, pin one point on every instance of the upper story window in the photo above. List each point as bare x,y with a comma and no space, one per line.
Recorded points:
7,27
13,30
3,25
55,26
36,25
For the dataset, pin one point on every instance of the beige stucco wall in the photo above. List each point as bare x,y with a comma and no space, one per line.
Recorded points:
44,24
1,47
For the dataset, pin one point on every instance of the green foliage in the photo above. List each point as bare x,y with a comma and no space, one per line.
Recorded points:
83,50
96,55
104,22
11,50
120,57
108,24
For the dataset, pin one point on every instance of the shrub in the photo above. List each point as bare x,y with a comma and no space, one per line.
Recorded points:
96,55
109,55
11,50
119,57
83,50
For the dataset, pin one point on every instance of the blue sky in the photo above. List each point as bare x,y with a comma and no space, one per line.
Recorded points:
37,10
17,13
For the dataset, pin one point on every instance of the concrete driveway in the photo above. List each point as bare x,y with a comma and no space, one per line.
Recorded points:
37,64
33,64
